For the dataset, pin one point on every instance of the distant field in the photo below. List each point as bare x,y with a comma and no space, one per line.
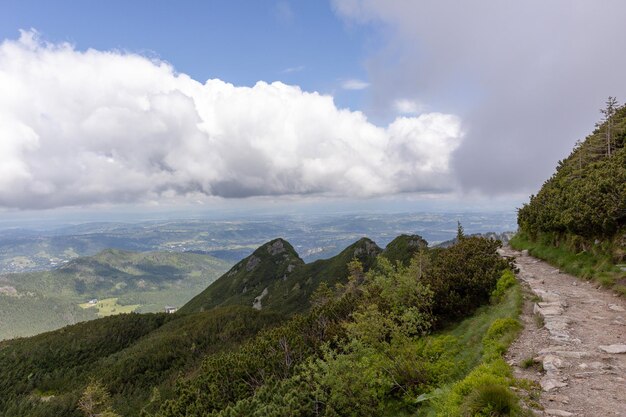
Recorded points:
110,306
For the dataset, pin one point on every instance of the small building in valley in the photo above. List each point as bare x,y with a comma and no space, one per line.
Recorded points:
170,309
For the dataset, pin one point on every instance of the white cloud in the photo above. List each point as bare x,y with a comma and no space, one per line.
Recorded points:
406,106
354,84
293,69
80,128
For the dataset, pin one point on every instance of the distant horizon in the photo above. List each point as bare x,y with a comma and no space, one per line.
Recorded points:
49,219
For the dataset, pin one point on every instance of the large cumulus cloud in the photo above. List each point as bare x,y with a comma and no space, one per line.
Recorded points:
85,127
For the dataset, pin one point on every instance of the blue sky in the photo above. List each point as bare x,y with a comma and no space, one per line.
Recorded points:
238,41
360,103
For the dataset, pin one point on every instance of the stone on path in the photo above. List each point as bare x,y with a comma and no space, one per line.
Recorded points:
553,412
549,309
549,384
615,307
565,353
552,363
613,348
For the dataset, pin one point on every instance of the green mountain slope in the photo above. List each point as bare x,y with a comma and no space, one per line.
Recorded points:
274,277
28,314
580,211
248,278
403,248
39,301
361,349
134,353
368,337
586,196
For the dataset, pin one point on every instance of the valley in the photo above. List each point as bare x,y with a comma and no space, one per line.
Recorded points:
119,281
147,266
26,248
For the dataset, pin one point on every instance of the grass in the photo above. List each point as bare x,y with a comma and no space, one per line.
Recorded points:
531,362
585,264
490,401
527,363
110,307
485,336
470,332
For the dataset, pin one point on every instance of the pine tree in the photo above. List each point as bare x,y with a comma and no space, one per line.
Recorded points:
460,234
96,401
609,112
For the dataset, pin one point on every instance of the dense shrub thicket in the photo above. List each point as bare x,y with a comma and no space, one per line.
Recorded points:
584,202
362,350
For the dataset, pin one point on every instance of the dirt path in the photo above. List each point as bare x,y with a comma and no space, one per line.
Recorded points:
577,333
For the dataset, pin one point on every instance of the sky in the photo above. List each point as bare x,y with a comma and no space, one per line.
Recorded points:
341,103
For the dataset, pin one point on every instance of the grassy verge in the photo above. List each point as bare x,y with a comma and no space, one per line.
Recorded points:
110,306
584,264
482,384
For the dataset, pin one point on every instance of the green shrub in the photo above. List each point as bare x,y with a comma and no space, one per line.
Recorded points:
499,336
490,401
452,403
463,277
506,281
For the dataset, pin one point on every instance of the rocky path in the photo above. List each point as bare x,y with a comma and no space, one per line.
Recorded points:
576,332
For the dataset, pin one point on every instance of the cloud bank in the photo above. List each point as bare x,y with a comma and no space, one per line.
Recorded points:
527,77
89,127
354,84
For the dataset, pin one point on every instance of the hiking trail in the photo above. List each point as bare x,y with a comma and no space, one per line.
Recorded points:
576,331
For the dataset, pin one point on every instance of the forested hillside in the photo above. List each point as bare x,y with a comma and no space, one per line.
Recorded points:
275,277
122,281
371,340
581,209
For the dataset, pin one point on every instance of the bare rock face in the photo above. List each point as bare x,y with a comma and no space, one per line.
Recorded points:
252,263
256,304
276,247
370,248
8,291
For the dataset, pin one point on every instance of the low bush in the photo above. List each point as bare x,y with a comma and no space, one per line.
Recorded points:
499,336
506,281
490,401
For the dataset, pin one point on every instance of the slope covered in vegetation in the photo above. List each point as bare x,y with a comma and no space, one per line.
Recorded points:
578,218
35,302
370,343
275,277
